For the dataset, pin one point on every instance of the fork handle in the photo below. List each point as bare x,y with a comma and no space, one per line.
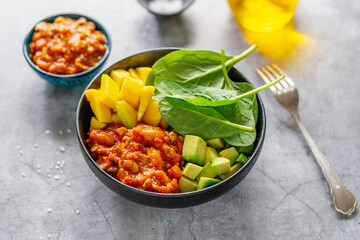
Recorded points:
344,200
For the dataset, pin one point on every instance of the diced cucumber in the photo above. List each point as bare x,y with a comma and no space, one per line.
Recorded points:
229,153
191,170
187,185
206,182
194,149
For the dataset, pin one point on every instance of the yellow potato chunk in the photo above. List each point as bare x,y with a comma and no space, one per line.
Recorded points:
152,115
101,111
163,124
110,91
127,114
143,72
133,73
131,91
118,75
95,124
145,100
115,118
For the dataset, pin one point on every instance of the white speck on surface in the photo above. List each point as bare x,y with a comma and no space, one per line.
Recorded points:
49,210
49,236
92,212
21,152
39,170
47,131
36,145
38,166
18,147
57,167
58,162
57,177
62,149
68,184
23,174
62,162
61,171
41,238
337,186
60,132
68,130
47,170
49,175
77,212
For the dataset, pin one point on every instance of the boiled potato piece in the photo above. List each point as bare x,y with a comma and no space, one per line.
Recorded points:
110,91
145,100
95,124
152,115
126,113
131,91
143,72
101,111
118,75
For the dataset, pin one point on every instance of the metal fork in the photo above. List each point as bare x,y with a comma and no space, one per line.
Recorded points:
287,95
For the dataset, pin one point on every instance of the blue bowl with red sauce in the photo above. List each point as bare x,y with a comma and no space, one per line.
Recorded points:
161,200
67,80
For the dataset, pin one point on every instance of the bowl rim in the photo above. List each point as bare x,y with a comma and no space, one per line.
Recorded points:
67,76
184,7
252,158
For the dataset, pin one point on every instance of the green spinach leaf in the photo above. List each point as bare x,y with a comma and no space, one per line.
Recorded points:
205,122
197,67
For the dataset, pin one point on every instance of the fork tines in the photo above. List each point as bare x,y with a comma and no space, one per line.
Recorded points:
271,73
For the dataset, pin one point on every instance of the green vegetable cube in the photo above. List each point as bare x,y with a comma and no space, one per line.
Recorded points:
230,154
242,159
216,143
206,172
220,165
206,182
187,185
246,149
210,154
191,170
233,170
194,149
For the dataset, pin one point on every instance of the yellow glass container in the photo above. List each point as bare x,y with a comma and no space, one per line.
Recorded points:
263,15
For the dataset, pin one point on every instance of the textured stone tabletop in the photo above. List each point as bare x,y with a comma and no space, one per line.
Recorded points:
285,196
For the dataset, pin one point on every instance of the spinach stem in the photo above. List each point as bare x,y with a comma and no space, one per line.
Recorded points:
223,68
259,88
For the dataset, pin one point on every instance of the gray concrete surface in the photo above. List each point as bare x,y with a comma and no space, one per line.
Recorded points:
285,196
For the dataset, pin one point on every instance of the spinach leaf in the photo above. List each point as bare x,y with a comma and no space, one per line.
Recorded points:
204,96
204,122
197,67
240,112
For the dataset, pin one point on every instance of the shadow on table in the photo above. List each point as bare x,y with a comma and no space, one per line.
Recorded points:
165,31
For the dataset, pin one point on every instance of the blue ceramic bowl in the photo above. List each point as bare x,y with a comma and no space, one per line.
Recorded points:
69,80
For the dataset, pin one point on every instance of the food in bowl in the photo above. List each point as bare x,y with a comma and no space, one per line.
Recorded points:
196,98
67,46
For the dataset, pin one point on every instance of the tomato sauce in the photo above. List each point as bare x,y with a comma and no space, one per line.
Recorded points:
144,157
67,46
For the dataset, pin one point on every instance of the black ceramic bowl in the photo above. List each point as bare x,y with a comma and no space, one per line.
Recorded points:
176,200
69,80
